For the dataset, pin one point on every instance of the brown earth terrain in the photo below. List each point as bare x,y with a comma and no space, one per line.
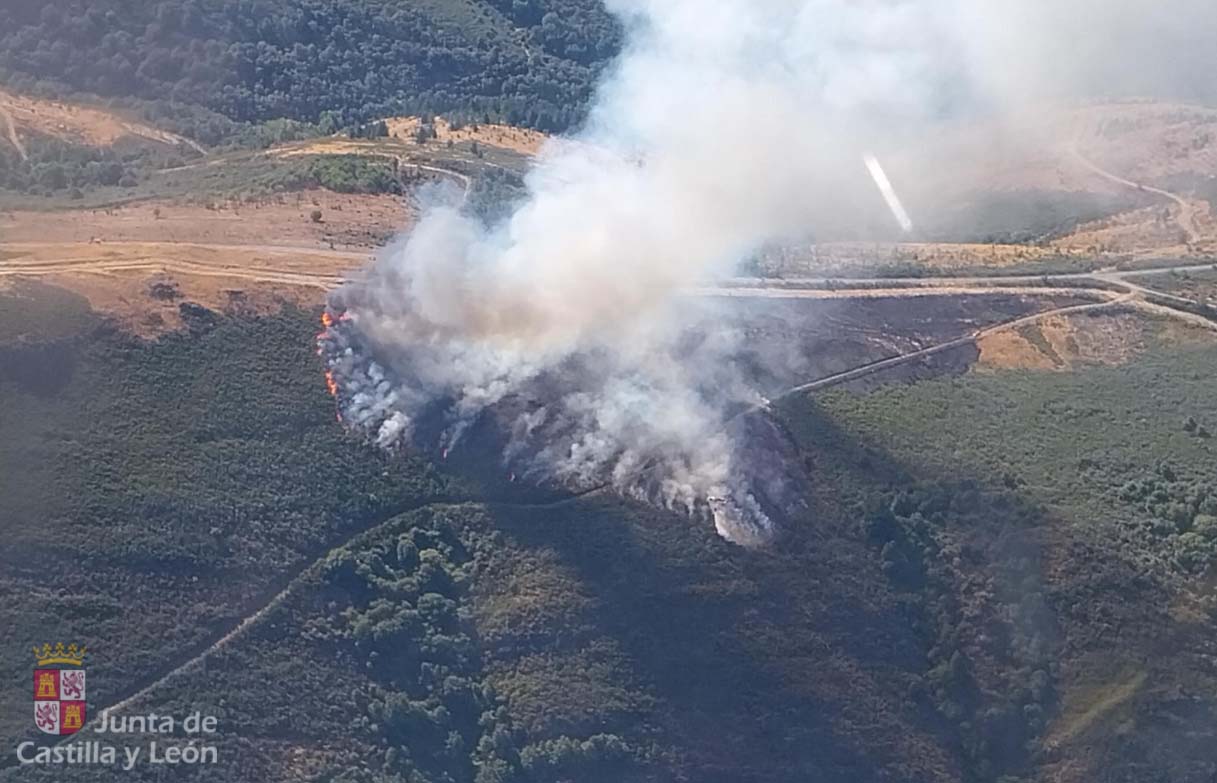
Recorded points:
143,285
522,140
347,222
78,124
1062,342
1131,148
1063,151
1143,141
1142,231
137,263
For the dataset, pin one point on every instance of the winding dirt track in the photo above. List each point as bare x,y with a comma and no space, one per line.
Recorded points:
804,288
885,364
144,258
194,657
278,592
12,133
1186,219
261,275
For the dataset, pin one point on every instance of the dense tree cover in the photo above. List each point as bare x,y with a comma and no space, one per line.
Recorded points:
401,604
1173,514
529,62
356,174
401,614
910,531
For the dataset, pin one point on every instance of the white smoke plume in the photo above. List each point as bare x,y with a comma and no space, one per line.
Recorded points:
723,127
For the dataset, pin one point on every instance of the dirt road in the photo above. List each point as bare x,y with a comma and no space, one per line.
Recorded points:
1186,217
194,657
12,133
304,280
895,361
160,255
270,600
283,250
301,267
324,270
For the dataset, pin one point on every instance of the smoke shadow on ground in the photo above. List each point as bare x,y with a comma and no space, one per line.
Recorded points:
909,627
652,577
752,655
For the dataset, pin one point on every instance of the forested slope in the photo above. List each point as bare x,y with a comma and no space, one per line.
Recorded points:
529,62
999,578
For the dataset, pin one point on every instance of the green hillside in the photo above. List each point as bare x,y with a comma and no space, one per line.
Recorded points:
996,579
528,62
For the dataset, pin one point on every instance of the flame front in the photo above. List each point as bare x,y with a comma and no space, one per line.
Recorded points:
327,323
331,383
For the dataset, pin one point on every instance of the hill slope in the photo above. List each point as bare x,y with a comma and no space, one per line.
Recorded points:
529,62
946,610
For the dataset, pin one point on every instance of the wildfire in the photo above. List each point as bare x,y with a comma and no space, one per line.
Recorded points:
327,323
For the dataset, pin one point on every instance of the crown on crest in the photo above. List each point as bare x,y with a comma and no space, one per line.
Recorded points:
59,654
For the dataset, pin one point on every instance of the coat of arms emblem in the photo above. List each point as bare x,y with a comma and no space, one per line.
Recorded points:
59,693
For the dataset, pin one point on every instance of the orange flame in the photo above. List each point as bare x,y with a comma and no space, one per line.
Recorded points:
331,384
327,320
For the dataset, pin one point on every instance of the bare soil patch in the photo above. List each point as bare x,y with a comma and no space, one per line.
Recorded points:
143,286
1068,341
347,222
78,124
521,140
1140,231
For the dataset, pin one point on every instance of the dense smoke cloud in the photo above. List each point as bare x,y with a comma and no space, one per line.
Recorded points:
723,127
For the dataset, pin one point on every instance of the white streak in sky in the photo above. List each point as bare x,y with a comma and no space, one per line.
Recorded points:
889,193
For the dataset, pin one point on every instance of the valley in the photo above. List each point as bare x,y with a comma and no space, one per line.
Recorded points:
999,569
